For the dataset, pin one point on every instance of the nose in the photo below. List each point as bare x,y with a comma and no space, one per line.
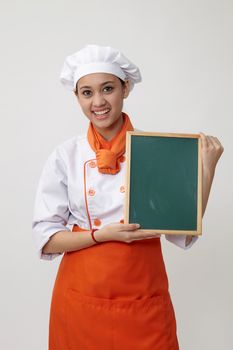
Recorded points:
98,100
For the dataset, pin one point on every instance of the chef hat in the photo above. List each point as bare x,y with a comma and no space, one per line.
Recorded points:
98,59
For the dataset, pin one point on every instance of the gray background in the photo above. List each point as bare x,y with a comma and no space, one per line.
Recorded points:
184,50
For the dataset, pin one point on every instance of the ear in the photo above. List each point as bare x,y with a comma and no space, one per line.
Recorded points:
76,94
126,88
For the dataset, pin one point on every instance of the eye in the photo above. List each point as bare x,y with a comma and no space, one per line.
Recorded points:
108,88
86,93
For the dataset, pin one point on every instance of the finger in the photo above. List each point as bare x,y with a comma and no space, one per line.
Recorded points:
130,227
218,145
210,140
217,141
147,231
124,227
145,234
148,237
204,140
154,235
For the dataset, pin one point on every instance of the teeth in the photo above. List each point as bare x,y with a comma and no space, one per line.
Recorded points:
102,112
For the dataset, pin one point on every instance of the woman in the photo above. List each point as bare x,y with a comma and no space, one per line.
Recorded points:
111,290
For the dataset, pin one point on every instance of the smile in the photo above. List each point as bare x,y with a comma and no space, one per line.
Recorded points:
101,112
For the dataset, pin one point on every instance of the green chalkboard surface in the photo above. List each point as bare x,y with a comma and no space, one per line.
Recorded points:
163,182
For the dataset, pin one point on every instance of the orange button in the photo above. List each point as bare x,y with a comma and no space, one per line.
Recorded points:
97,222
122,221
92,164
122,189
122,159
91,192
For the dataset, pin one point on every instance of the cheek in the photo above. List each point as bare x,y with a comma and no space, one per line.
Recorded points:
117,101
84,104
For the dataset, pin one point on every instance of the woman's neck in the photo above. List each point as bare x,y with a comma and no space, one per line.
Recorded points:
109,133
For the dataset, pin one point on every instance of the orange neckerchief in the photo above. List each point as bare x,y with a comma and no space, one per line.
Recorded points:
108,153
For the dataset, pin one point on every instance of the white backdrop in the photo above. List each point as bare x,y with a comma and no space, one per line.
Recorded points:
185,52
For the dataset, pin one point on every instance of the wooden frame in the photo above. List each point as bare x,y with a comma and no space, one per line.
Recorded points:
129,136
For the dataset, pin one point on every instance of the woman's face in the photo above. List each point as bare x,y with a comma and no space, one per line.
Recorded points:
101,96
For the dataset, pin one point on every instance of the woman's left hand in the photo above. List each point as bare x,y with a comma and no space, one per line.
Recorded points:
212,150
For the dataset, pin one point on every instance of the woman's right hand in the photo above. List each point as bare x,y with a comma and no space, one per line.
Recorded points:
123,233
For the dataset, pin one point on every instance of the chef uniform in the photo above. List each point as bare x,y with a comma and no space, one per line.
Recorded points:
112,295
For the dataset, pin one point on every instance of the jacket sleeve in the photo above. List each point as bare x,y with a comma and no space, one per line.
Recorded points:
51,209
179,240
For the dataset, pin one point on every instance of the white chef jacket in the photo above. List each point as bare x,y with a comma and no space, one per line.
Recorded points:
72,191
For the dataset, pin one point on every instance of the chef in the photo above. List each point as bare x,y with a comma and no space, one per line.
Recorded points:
111,290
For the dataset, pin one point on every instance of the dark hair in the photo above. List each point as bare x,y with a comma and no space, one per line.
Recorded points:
122,81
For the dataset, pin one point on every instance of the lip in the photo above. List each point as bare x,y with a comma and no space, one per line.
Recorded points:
101,116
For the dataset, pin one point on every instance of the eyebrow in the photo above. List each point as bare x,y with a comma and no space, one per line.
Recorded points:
89,87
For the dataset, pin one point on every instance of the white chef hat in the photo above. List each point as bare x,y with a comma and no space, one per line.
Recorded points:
98,59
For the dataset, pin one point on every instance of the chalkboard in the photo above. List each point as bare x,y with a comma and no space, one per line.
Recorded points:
164,182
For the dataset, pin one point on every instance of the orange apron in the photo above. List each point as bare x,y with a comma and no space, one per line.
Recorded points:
113,296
